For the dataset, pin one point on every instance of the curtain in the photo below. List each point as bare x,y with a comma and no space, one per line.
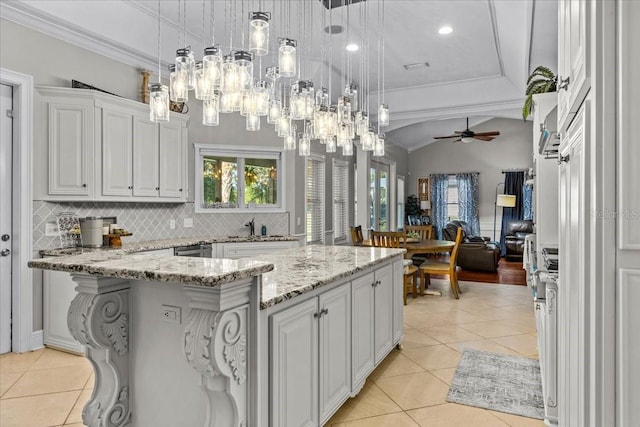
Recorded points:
513,183
468,205
527,202
439,189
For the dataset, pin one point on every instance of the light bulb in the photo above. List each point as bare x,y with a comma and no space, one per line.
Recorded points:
383,115
287,57
158,103
259,33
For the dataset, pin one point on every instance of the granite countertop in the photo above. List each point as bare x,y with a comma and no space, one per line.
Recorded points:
206,272
303,269
150,245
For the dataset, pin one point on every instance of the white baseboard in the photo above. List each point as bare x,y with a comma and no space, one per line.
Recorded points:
37,340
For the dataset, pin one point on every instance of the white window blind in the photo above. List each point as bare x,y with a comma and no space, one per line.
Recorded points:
340,200
315,200
452,198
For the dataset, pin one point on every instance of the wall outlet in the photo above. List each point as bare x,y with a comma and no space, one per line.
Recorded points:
188,222
172,224
298,222
51,229
171,314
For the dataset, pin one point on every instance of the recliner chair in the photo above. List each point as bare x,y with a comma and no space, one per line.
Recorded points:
514,233
476,253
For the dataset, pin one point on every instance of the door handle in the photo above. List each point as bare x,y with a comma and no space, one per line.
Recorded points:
5,252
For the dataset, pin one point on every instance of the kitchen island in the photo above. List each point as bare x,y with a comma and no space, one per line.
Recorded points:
281,339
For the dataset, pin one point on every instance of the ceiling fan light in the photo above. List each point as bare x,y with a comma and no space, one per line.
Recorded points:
444,30
466,139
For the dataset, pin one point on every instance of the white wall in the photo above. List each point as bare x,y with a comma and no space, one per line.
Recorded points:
510,150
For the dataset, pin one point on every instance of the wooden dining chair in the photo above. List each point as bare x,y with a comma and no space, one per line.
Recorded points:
446,268
388,239
424,231
356,235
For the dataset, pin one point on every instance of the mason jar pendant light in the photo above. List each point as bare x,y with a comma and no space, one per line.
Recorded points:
290,139
180,85
244,64
383,115
378,147
159,93
261,95
275,110
204,90
230,81
211,110
304,145
330,144
211,63
347,148
259,33
287,57
253,122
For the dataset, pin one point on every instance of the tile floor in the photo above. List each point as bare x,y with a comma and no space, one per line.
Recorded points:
49,388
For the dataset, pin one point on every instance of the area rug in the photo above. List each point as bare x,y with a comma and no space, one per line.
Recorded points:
498,382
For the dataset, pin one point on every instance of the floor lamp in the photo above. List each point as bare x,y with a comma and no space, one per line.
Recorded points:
504,201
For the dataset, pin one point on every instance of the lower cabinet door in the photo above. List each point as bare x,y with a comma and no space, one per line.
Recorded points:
58,292
362,297
335,349
383,324
294,366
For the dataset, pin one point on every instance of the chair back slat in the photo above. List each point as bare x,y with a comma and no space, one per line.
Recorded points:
424,231
389,239
356,235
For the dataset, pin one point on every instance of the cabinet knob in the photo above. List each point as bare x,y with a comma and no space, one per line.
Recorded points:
84,185
130,187
157,188
180,189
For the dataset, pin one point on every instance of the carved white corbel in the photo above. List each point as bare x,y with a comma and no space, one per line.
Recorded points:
215,345
99,319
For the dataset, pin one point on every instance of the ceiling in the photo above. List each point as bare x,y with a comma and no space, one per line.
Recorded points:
478,71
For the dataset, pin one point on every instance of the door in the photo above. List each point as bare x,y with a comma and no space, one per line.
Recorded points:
335,349
6,142
171,154
383,324
362,291
146,158
294,365
379,176
117,132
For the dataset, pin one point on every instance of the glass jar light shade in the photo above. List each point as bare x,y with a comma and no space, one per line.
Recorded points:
244,62
230,80
253,122
284,124
383,115
261,94
204,90
378,147
211,64
185,67
259,33
275,109
158,103
290,140
211,111
330,144
226,102
366,141
177,86
347,148
287,57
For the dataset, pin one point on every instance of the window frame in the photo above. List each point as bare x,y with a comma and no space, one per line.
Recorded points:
241,153
320,159
338,163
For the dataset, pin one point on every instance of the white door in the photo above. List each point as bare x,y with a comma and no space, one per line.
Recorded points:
6,141
383,323
145,157
171,154
362,318
117,132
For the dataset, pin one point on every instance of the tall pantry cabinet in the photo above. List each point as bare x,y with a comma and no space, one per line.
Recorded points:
599,213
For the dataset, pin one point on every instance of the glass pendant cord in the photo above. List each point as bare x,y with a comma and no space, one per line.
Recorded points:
159,46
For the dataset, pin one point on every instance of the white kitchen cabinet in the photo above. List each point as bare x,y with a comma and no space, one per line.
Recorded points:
95,146
573,58
362,318
146,157
116,143
58,291
383,314
335,350
66,143
251,249
294,365
573,291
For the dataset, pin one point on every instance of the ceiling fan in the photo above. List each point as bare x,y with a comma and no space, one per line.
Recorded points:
467,135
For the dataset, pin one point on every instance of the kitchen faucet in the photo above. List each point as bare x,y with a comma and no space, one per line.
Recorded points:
252,227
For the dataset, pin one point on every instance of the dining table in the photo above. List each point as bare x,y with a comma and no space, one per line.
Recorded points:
422,246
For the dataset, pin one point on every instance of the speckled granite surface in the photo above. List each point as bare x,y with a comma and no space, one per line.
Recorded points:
301,270
167,243
161,268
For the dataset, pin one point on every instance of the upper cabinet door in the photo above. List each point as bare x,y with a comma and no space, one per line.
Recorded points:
172,154
117,131
573,58
146,155
70,136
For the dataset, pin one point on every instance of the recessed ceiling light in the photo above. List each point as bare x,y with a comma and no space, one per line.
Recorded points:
352,47
445,30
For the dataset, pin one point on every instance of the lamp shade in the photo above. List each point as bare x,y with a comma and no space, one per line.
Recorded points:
425,205
506,200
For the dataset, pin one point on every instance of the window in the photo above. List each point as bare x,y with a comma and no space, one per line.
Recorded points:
452,198
340,200
314,193
219,185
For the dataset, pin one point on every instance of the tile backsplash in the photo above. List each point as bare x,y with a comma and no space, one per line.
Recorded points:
150,221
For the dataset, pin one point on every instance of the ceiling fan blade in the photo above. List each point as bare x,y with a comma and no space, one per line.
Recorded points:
445,137
483,137
492,133
457,140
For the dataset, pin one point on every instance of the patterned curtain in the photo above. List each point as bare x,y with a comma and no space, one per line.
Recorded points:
513,183
468,201
527,202
439,217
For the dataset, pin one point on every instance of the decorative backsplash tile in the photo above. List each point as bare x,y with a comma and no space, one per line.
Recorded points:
150,221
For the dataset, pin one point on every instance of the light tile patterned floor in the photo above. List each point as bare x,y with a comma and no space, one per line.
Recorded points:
49,388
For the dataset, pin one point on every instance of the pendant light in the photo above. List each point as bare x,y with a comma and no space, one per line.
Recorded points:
211,63
287,57
378,147
304,145
211,110
259,33
159,93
